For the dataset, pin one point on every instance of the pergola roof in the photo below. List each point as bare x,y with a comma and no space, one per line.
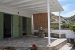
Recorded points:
33,6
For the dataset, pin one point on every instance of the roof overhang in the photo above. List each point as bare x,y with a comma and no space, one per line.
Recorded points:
33,6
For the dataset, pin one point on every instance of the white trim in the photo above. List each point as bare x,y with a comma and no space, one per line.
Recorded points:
59,25
32,24
48,9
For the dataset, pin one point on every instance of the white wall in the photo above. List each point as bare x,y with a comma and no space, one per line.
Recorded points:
69,33
10,10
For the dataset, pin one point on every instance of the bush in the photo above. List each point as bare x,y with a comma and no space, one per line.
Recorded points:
72,27
55,27
65,26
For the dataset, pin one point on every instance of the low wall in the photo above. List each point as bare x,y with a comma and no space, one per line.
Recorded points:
68,33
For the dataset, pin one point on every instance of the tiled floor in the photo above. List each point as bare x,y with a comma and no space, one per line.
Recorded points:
25,41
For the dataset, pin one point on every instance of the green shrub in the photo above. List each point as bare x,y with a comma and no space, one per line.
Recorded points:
55,27
72,27
65,26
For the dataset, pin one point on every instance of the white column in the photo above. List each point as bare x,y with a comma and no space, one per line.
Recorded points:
32,25
48,9
59,26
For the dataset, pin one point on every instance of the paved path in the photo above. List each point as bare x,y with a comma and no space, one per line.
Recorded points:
25,41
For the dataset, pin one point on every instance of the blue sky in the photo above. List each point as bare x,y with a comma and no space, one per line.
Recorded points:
68,6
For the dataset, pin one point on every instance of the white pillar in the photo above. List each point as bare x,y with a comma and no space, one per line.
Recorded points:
59,26
48,9
32,24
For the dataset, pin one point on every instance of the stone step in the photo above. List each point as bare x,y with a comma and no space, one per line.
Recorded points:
67,46
57,44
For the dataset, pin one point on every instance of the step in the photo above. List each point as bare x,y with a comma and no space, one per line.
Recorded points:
57,44
67,46
58,41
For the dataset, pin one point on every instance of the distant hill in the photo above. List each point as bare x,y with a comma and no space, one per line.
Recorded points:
55,18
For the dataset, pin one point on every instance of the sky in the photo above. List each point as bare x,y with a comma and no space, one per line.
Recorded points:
68,6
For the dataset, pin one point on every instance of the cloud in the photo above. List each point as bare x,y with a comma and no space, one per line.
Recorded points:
69,14
66,7
56,13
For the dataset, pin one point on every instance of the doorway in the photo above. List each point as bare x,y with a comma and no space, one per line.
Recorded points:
7,25
24,25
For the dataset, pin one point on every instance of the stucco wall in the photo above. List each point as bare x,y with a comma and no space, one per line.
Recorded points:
69,33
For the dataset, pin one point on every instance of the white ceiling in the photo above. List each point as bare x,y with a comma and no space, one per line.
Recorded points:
33,6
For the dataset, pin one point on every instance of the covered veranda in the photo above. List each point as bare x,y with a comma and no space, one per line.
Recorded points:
33,7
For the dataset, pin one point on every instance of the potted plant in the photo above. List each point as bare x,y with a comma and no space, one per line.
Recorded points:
7,48
34,47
